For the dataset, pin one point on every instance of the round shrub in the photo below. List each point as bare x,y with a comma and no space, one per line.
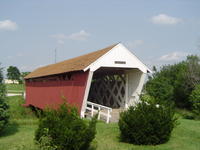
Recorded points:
195,100
147,123
66,130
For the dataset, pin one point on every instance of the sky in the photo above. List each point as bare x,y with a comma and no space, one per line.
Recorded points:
158,32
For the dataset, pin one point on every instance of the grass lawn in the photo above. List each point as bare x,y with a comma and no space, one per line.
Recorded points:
19,135
186,136
15,88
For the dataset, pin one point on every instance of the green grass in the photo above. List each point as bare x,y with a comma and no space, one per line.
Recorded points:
15,88
19,135
186,136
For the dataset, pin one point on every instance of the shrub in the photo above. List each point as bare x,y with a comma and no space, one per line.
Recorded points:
16,108
147,123
195,100
66,130
3,106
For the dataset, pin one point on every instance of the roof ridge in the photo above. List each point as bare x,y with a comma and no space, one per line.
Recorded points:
83,55
72,64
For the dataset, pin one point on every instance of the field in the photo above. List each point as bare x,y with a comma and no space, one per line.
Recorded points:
19,135
15,88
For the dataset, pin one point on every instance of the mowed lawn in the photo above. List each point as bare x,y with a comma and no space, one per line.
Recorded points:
15,88
20,134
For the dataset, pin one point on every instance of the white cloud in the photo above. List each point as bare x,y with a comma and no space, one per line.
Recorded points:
82,35
135,44
8,25
174,56
165,19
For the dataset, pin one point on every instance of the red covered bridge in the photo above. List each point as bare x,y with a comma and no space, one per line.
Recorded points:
108,78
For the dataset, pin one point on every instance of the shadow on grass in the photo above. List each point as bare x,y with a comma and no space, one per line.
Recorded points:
11,129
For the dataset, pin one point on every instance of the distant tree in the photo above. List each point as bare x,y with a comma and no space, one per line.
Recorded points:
175,82
13,73
23,74
3,106
193,71
195,100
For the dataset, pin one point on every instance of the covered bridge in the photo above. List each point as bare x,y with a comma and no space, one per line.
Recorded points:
110,78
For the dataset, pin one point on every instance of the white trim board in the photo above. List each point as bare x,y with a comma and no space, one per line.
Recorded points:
119,53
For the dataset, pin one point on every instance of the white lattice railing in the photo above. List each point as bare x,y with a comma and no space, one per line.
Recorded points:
100,109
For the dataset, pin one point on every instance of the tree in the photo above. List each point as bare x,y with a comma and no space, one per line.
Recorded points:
23,74
165,91
193,71
13,73
3,106
195,100
175,82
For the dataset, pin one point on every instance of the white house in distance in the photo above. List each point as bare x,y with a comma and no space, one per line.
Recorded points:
8,81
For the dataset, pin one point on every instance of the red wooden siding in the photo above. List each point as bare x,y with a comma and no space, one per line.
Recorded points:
49,93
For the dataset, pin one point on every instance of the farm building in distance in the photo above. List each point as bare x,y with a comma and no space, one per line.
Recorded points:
8,81
110,78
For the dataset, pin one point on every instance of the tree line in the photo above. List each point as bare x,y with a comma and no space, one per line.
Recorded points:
13,73
177,83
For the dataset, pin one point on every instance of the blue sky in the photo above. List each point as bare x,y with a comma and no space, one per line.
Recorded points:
158,32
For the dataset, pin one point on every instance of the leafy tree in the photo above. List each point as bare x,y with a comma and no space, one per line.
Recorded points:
23,74
193,71
3,106
164,92
13,73
195,100
175,82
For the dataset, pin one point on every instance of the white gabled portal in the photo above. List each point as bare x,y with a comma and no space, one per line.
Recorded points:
117,80
118,57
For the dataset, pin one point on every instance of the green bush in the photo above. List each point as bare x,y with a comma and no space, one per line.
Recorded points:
147,123
160,88
195,100
66,130
17,110
3,106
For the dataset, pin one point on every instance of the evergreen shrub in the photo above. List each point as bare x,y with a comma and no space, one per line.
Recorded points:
147,123
66,130
4,115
